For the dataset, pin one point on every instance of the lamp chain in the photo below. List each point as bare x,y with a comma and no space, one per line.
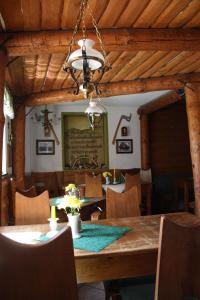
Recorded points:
81,19
98,35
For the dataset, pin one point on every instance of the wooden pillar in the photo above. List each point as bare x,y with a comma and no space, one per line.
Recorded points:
2,119
18,132
192,93
144,132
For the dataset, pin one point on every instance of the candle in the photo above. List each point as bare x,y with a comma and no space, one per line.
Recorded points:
53,212
114,173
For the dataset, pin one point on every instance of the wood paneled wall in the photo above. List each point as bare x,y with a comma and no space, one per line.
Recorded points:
169,141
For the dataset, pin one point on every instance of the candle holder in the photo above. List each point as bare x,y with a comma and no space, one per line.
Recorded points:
114,180
53,223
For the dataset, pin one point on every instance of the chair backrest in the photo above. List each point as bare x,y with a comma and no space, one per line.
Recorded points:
42,271
121,205
132,180
178,268
4,202
93,186
32,210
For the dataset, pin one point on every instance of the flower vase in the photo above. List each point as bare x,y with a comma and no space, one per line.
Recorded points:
74,222
107,180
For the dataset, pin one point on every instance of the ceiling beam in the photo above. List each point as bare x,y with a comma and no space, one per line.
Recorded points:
30,43
116,88
159,103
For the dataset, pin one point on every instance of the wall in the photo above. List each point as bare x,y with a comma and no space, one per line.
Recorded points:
34,130
169,141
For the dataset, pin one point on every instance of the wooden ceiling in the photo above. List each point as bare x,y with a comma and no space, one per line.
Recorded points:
145,40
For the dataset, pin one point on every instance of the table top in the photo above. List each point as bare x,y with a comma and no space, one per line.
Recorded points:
142,238
84,201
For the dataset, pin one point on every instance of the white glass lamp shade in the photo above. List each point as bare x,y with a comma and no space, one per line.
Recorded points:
95,109
76,60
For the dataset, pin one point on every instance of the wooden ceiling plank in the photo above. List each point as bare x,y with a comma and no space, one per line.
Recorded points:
9,81
17,72
116,88
108,19
11,12
140,57
97,7
61,77
41,69
194,67
31,14
150,13
187,62
170,12
186,15
30,63
111,57
146,65
118,65
131,13
159,103
51,14
55,63
174,62
70,13
157,66
195,22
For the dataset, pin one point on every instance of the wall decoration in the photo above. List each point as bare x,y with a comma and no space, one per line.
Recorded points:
84,148
45,147
124,146
124,131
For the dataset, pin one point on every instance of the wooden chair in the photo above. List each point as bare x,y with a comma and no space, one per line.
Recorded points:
35,210
121,205
144,190
93,186
18,186
178,265
41,271
131,180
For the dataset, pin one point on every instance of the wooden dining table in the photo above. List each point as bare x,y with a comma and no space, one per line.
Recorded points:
134,254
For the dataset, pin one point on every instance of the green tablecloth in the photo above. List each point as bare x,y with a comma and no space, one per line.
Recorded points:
97,237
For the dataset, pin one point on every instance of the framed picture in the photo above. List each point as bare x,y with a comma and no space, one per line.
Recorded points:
45,147
124,146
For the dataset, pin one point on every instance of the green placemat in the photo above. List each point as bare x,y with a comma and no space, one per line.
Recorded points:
56,201
96,237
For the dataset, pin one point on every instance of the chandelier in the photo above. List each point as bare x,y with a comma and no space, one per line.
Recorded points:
94,112
86,65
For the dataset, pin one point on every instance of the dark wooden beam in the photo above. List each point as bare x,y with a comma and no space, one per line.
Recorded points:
159,103
30,43
115,88
193,114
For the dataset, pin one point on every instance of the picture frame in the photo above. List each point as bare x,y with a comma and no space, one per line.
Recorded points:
124,146
45,147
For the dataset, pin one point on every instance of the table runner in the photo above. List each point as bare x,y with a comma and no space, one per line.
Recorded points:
96,237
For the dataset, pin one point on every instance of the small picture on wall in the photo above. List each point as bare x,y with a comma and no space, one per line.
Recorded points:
124,146
45,147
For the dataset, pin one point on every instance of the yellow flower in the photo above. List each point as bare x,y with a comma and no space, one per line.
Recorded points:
70,187
107,174
70,204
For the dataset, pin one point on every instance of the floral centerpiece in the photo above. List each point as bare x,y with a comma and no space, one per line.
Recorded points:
107,176
71,204
71,189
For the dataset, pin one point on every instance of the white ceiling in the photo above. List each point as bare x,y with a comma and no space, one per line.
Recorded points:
126,100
